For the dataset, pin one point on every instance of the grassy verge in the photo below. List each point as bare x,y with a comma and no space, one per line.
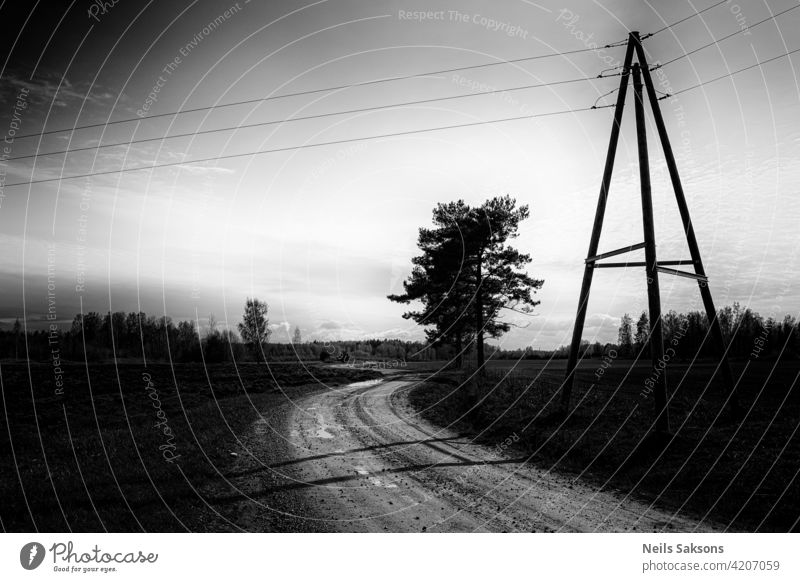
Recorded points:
740,472
128,448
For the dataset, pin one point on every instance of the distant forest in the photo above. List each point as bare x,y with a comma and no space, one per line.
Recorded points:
96,338
90,337
748,335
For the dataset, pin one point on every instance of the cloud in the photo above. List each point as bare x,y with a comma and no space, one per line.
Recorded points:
282,328
406,334
601,319
333,330
50,87
192,169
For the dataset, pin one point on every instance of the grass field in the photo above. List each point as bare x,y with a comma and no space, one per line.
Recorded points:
129,448
126,448
738,471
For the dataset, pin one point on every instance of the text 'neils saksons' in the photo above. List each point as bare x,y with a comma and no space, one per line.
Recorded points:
663,548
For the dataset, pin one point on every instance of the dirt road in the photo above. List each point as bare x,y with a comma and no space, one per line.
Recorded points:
362,460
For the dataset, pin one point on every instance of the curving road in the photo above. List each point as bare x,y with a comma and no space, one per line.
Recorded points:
361,460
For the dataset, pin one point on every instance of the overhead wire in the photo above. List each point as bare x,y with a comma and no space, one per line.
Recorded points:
725,76
493,91
318,90
719,40
389,79
299,147
379,107
698,13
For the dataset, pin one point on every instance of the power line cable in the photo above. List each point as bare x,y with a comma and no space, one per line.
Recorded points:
308,117
719,40
312,145
320,90
396,134
395,78
725,76
685,19
603,96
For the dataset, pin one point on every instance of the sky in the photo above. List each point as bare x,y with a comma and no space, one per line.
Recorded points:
324,233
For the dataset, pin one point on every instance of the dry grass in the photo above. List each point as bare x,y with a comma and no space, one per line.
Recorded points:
93,459
734,471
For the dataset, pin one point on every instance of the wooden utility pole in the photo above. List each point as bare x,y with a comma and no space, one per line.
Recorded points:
597,228
479,318
656,338
686,219
652,266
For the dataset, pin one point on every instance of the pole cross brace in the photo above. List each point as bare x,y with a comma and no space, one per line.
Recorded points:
682,274
621,251
641,264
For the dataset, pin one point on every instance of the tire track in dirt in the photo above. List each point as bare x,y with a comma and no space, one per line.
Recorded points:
364,461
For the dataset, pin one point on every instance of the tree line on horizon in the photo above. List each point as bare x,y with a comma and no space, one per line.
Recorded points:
749,335
97,337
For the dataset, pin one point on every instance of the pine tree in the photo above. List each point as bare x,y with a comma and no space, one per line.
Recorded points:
467,273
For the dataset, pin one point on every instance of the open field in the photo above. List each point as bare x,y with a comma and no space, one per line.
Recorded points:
129,448
221,448
737,470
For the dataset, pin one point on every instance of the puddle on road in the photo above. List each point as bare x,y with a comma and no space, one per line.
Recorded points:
378,483
374,480
365,383
322,431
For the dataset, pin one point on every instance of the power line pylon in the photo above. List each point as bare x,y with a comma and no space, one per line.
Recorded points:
652,265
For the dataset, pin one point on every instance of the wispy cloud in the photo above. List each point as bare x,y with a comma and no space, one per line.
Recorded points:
48,87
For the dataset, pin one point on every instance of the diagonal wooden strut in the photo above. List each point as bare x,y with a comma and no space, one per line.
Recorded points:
694,276
621,251
653,266
588,271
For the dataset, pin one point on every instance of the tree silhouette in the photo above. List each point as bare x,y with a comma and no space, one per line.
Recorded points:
254,327
16,330
434,281
640,340
625,336
467,273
